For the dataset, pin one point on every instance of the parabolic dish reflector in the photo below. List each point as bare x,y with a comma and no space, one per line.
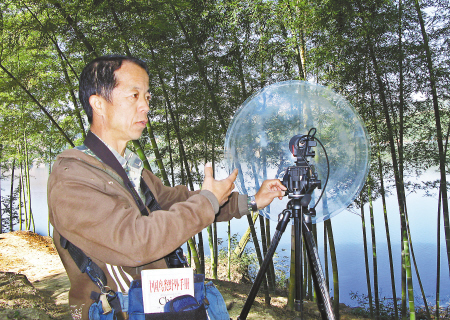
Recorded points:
257,143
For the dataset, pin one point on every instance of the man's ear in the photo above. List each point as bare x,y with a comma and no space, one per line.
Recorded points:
97,104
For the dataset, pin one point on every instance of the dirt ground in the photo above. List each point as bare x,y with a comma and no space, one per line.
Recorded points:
34,285
32,278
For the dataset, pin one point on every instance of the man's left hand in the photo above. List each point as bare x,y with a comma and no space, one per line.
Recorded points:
270,189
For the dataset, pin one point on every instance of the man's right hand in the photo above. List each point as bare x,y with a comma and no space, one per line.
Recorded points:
220,188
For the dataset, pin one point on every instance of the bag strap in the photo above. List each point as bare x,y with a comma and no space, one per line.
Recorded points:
84,263
107,157
150,200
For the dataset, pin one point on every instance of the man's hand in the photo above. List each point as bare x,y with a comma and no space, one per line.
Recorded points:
270,189
220,188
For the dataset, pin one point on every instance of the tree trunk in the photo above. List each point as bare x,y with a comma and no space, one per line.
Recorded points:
182,153
27,179
271,266
216,251
1,215
211,250
438,241
438,258
49,172
366,258
442,155
268,275
401,106
325,256
229,252
416,268
169,146
407,267
20,197
398,181
140,152
11,197
299,44
335,268
241,72
374,256
263,237
246,237
158,157
24,204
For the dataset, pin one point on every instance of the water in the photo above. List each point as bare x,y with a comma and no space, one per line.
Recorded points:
38,182
347,231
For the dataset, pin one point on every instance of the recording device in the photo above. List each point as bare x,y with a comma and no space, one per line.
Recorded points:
301,179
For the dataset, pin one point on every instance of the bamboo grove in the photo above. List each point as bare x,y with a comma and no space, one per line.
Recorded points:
390,59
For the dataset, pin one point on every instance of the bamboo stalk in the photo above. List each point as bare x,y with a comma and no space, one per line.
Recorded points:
246,237
211,250
374,255
335,268
229,252
366,258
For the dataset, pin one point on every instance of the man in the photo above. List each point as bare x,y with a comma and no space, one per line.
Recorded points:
90,206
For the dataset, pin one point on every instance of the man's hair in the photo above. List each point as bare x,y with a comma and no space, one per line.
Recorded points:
98,78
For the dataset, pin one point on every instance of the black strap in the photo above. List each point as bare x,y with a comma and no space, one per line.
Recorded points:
150,201
107,157
84,263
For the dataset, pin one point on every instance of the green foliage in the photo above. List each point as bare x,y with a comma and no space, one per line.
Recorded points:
7,212
240,46
386,310
247,267
242,265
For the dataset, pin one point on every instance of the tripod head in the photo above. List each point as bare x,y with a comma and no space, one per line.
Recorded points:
301,179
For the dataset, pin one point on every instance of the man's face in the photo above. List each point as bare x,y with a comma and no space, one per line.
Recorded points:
126,114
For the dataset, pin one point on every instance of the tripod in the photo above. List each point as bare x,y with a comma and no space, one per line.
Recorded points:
300,181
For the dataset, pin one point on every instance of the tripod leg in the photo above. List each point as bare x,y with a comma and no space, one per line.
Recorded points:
281,227
260,276
298,302
323,296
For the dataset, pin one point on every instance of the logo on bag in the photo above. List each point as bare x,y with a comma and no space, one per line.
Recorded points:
162,285
174,284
